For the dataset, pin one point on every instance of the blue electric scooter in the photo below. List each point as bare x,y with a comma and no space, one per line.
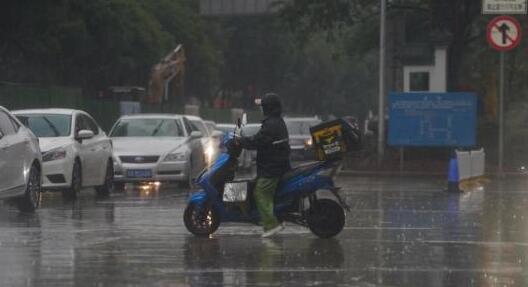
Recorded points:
306,196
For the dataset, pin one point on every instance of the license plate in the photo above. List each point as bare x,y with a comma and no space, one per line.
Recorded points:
139,173
235,191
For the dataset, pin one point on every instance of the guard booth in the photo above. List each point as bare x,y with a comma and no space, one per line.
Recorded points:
129,98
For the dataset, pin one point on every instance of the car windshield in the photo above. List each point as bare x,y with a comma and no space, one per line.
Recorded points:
250,130
148,128
297,127
201,127
47,125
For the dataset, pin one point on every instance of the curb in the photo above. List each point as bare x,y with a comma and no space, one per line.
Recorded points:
390,173
420,173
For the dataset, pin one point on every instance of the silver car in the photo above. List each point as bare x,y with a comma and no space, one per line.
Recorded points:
156,147
226,128
249,157
20,163
300,137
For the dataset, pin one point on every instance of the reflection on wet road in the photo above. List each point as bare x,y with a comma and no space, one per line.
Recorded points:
400,232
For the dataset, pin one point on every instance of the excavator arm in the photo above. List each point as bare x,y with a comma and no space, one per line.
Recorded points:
169,71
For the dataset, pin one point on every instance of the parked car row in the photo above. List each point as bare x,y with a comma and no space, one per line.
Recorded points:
66,150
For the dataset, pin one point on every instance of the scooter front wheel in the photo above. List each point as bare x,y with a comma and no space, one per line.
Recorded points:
201,220
326,218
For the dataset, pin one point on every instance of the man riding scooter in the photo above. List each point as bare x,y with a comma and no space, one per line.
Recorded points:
273,160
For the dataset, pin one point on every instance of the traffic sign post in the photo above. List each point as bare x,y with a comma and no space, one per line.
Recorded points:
501,115
503,34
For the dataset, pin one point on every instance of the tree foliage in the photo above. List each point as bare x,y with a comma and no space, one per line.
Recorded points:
98,43
447,21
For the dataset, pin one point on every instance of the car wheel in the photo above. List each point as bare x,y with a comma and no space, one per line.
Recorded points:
76,182
30,200
108,185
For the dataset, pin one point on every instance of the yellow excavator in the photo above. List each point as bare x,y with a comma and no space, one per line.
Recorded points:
167,77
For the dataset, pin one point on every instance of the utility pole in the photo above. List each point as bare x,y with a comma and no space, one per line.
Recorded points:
381,99
501,115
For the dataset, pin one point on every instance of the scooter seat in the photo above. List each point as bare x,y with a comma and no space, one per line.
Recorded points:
300,169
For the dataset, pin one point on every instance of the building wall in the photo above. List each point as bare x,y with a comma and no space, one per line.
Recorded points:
437,72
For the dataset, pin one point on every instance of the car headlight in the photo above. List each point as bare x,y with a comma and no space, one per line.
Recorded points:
209,151
176,156
55,154
308,142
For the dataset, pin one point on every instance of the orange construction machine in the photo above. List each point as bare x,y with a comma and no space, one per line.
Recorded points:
167,77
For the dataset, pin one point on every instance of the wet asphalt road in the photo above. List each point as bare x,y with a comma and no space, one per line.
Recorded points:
400,232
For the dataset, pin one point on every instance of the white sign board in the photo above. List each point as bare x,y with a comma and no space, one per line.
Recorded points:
504,6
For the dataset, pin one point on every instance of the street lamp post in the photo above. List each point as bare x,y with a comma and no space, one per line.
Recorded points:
381,96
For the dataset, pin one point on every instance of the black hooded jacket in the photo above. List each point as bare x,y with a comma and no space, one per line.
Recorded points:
271,142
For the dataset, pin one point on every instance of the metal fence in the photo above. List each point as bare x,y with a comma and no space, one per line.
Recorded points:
104,111
16,97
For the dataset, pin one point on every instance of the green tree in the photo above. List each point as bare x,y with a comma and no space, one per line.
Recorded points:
99,43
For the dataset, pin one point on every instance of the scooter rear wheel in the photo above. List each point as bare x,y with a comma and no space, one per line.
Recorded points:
201,221
326,218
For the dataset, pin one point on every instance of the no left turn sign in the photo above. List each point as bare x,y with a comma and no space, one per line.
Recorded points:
504,33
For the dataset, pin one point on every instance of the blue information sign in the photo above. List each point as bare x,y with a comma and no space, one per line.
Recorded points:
432,119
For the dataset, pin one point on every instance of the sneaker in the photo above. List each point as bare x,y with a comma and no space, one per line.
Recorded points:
272,231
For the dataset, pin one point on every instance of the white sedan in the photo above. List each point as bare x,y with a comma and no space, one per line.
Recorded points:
20,163
155,148
76,153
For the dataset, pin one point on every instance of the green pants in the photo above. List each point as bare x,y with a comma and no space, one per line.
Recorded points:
264,198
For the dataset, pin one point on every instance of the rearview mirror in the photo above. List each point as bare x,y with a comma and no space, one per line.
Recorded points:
196,134
244,119
84,135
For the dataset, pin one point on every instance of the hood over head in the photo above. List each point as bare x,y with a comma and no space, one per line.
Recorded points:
271,105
